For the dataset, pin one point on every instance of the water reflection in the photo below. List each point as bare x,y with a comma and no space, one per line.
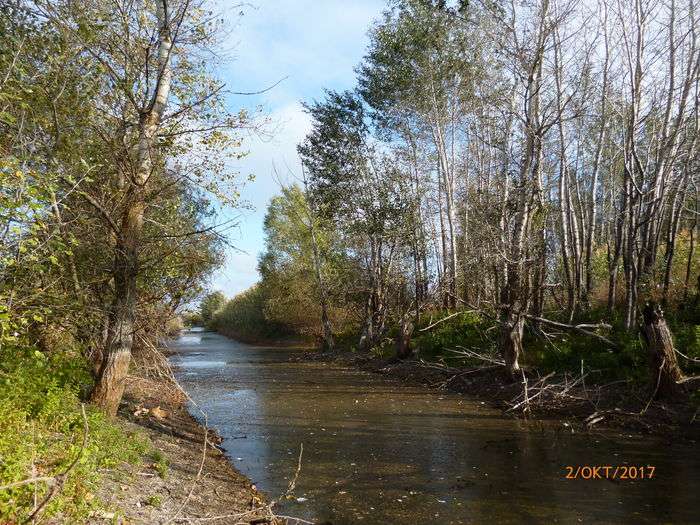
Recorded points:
379,452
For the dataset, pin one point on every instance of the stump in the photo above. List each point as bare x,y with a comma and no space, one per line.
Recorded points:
403,341
666,374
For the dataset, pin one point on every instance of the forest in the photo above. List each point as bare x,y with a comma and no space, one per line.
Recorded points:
516,181
509,190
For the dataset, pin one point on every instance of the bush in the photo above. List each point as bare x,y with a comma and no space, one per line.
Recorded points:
565,351
467,330
243,317
42,430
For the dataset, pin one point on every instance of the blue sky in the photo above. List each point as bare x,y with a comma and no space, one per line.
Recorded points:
316,45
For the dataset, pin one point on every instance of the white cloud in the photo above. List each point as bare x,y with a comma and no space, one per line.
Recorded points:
316,45
292,125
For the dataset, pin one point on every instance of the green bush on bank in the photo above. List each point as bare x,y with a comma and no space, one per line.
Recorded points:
42,430
243,317
467,330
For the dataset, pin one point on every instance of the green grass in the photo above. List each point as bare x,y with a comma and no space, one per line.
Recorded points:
41,433
161,463
154,501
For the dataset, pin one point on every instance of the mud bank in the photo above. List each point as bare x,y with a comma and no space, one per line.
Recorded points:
178,482
619,406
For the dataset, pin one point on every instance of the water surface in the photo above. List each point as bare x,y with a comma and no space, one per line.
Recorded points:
378,452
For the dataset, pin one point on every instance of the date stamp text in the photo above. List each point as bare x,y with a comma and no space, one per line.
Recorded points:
613,472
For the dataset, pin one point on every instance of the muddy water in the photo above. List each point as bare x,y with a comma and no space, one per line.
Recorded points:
376,451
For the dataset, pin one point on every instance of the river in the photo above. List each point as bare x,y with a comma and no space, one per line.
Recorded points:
379,452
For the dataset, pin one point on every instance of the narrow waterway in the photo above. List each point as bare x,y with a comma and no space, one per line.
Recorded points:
376,451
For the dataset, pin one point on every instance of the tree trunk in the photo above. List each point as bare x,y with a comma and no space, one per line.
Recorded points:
328,341
665,371
114,367
403,341
109,385
511,340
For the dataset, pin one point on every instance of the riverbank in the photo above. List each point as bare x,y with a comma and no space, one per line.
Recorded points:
178,482
259,340
581,407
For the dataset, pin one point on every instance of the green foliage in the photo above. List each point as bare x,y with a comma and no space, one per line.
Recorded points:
42,429
210,305
289,284
415,44
154,500
67,193
575,352
467,330
161,463
243,318
566,352
190,319
571,351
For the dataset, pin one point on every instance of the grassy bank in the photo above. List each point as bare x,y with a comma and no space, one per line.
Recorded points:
45,436
63,461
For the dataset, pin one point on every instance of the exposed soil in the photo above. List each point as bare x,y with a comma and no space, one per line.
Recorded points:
616,406
181,492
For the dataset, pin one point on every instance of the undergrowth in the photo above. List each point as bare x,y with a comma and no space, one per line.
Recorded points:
550,350
41,434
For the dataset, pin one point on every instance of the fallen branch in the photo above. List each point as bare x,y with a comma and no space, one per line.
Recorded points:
581,328
685,356
470,353
293,483
444,384
39,479
432,325
529,399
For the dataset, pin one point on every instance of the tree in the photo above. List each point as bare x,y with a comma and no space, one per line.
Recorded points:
103,121
362,192
210,305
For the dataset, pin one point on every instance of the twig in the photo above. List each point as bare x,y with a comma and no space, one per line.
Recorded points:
656,389
443,384
38,479
541,391
293,483
470,353
443,320
686,357
527,400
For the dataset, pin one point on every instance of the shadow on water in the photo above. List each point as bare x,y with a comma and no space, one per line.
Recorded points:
379,452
